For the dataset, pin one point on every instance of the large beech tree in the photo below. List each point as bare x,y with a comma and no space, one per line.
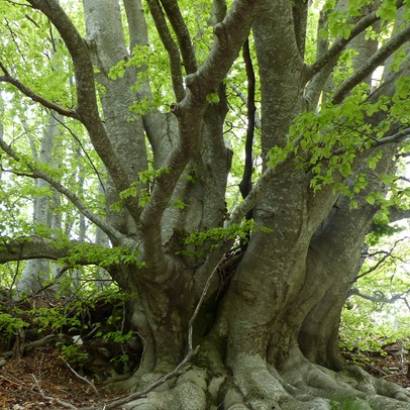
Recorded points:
236,297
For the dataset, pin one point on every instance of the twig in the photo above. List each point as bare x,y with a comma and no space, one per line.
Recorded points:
8,380
381,260
378,297
31,345
45,397
406,302
201,301
84,379
14,40
78,140
15,3
28,92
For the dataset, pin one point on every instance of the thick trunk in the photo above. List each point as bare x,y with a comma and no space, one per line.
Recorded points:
277,320
232,372
334,258
161,329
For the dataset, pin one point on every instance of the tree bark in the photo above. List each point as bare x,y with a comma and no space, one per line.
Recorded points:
38,271
269,312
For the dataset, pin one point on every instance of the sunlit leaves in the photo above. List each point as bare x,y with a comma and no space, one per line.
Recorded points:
328,142
45,67
387,10
102,256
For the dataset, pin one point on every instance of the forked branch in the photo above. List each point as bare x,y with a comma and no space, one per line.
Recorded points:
377,59
170,46
339,45
181,30
231,33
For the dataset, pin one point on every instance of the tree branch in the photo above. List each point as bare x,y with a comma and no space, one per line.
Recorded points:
245,185
319,80
37,173
381,261
78,50
300,17
339,45
181,30
397,214
137,25
36,247
7,78
86,95
243,98
377,59
249,202
231,33
170,46
218,11
398,137
378,297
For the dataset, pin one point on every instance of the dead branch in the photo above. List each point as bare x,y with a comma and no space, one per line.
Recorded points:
49,398
84,379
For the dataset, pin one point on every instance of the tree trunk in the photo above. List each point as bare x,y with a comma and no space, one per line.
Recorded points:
271,338
265,317
38,271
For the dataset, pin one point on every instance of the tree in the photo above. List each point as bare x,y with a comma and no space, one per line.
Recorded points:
37,271
259,283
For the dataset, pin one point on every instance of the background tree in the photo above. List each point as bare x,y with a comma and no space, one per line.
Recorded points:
257,284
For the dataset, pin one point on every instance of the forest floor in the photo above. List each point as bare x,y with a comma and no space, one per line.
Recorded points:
41,380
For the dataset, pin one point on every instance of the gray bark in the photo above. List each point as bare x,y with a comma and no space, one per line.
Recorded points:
265,328
125,129
38,271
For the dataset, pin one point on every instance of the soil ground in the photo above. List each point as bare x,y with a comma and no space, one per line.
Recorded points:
41,380
53,381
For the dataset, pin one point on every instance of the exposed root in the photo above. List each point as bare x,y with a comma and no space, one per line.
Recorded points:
191,390
234,400
189,393
354,388
252,385
378,390
154,401
257,384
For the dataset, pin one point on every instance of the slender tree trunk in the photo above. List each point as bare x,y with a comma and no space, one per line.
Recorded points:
37,271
